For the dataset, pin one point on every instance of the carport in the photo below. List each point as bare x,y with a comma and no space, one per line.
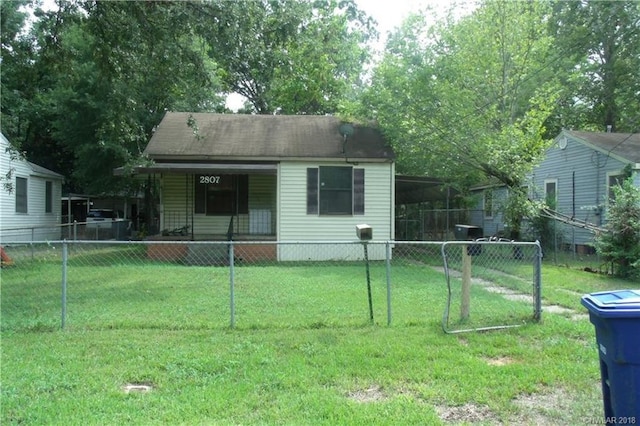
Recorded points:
426,208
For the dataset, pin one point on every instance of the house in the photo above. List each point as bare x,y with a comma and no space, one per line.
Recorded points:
272,178
488,213
575,178
29,199
577,174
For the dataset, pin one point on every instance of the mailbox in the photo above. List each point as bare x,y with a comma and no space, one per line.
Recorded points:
469,233
364,232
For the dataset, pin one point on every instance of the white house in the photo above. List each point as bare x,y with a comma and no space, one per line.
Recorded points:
272,178
29,199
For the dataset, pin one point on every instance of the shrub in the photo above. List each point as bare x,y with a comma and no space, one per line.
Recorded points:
621,244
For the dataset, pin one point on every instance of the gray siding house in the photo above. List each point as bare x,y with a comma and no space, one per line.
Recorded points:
575,176
272,177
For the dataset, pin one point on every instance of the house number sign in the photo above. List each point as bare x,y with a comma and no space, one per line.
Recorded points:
207,180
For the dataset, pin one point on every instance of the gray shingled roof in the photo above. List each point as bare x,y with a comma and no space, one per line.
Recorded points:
41,171
261,137
623,145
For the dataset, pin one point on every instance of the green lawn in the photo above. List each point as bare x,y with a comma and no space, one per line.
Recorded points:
303,350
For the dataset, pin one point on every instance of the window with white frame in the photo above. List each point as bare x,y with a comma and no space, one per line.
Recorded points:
551,192
614,179
487,203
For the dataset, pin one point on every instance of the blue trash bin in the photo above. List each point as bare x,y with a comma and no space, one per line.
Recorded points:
616,318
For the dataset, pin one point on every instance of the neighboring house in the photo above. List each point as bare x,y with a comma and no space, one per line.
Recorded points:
575,178
30,210
272,177
488,211
577,174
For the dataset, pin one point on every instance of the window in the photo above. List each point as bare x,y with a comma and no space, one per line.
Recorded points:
221,194
614,180
335,190
488,203
48,200
551,192
21,195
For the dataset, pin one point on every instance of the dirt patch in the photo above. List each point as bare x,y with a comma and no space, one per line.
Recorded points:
371,394
559,406
555,309
500,361
499,290
467,413
137,388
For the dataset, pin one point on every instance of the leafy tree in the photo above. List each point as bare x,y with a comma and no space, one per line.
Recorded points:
621,245
287,56
467,100
17,55
100,77
598,45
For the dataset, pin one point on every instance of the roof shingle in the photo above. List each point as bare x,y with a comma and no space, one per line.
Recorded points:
208,136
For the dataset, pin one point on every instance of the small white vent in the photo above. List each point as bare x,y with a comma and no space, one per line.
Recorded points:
562,143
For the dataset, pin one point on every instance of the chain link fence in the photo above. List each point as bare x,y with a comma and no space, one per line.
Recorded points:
265,284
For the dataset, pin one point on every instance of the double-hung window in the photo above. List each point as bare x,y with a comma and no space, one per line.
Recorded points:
613,180
48,197
551,192
335,190
21,195
487,202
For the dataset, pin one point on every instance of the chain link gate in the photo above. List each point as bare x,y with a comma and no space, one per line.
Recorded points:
491,284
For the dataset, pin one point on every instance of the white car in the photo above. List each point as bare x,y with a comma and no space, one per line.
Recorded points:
102,218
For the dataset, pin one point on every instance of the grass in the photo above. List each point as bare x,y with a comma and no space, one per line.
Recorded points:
303,350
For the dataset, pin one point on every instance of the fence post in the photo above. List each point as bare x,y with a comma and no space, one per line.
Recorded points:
65,254
466,283
388,266
537,315
232,301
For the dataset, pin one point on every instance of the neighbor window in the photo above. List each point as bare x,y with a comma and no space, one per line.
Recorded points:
221,194
21,195
613,181
335,190
551,192
48,197
488,203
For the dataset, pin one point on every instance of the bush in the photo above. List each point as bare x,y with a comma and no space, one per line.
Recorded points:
621,245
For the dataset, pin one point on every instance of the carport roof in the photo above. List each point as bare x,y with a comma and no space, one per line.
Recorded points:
420,189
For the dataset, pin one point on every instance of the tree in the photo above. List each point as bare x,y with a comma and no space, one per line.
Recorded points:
621,244
287,56
598,45
100,77
467,100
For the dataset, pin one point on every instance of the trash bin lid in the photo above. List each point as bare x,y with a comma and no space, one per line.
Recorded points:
618,303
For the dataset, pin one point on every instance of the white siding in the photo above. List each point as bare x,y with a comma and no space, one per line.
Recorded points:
36,224
294,224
